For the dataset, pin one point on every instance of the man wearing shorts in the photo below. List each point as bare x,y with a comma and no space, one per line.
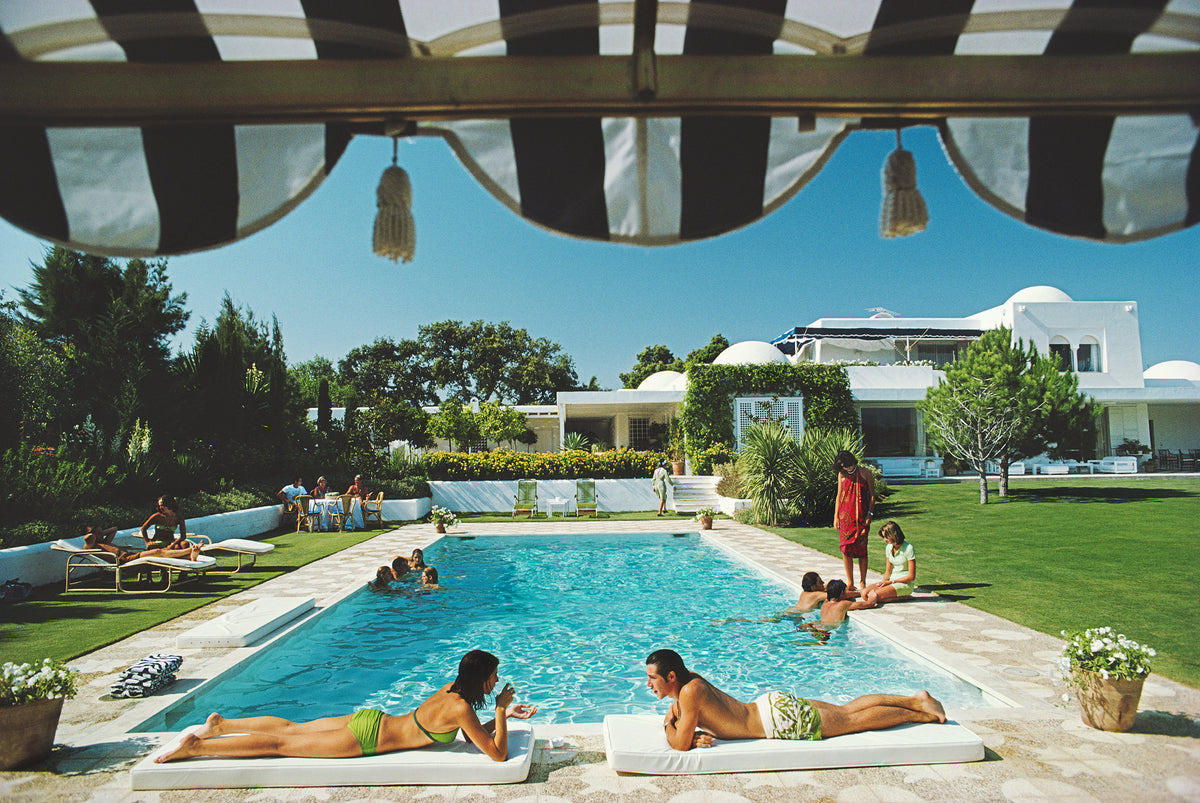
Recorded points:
701,713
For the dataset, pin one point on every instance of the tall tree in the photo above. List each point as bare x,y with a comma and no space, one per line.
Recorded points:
306,377
388,369
651,360
1002,401
118,323
455,422
499,423
38,383
707,354
494,362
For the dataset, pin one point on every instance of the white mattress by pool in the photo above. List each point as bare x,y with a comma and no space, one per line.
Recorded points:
457,763
636,743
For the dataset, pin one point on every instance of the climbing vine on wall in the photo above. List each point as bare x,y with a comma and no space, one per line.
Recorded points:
707,414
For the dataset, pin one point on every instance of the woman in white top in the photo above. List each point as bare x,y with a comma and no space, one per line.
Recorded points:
900,576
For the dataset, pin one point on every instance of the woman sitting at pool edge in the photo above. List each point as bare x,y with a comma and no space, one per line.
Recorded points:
901,573
370,731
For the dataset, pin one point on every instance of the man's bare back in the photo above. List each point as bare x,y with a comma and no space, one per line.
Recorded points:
717,712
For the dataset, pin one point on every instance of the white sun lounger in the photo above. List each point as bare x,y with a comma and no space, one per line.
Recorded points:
457,764
239,547
80,557
636,743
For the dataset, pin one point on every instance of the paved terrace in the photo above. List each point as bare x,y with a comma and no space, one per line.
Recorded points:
1037,751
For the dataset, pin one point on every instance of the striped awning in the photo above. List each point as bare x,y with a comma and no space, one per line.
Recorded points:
143,127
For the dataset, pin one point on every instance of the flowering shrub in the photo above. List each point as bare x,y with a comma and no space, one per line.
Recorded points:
443,516
504,464
1109,654
27,683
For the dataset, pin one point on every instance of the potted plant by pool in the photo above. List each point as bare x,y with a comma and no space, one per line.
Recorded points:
31,701
1107,670
442,518
705,516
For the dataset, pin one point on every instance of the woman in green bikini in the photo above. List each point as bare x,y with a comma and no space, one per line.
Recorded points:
371,731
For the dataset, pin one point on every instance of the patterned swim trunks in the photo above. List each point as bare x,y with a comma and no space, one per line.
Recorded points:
786,716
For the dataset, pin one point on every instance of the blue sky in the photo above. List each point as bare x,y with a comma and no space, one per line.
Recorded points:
819,256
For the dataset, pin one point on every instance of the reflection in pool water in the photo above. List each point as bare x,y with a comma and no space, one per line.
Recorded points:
572,619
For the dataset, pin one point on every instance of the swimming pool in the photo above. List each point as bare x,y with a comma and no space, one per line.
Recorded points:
572,619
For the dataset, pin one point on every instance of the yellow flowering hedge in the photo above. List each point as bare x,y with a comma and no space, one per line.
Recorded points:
503,464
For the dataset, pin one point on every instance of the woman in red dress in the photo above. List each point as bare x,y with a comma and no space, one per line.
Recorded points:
853,510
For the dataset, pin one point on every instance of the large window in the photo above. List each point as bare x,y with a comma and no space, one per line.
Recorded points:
939,354
639,433
889,431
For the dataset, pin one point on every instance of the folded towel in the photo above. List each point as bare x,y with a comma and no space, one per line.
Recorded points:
155,664
139,686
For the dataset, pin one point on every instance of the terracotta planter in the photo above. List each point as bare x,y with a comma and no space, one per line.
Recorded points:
706,523
1108,705
27,732
677,468
439,528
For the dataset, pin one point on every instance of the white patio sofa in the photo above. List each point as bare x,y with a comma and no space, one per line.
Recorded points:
1113,464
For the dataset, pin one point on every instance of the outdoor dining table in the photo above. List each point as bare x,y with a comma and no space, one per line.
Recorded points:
321,509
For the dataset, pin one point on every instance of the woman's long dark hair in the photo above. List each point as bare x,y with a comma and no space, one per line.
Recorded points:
474,670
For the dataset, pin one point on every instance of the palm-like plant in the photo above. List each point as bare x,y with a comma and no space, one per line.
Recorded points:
574,441
815,482
768,464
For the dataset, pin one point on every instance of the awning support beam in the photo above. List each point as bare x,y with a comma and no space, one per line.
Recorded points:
370,93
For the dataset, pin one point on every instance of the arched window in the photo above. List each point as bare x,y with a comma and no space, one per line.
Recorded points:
1087,356
1060,348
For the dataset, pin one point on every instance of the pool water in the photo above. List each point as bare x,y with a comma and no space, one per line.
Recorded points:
572,619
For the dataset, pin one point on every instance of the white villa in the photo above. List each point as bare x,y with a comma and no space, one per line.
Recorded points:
1100,340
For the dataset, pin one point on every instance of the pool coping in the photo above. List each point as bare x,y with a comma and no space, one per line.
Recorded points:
1012,660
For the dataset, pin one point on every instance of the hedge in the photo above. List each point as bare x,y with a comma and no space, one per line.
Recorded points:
707,414
503,464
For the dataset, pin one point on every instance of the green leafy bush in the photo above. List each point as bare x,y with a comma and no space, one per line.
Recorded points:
502,464
730,484
705,461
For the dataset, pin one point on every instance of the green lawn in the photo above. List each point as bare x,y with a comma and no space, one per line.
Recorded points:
51,624
1058,554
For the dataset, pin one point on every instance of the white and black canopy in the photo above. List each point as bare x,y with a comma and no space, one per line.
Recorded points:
142,127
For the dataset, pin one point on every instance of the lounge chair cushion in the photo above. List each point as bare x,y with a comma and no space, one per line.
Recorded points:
636,743
458,763
246,624
242,545
200,564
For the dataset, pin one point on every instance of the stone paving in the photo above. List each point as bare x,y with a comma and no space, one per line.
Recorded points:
1037,750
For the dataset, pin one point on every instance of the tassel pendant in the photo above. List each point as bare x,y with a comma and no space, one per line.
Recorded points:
903,211
395,232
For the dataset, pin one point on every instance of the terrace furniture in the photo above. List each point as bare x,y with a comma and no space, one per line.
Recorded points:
1114,464
1054,468
80,557
585,497
373,509
1187,462
240,547
339,512
1169,461
558,503
526,499
635,743
304,512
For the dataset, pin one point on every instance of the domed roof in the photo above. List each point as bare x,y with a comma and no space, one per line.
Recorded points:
1040,292
750,352
1174,369
664,380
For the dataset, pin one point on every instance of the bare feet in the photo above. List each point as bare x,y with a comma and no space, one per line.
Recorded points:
211,726
931,706
186,749
195,553
89,539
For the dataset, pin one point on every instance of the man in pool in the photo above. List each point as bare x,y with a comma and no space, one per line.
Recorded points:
701,713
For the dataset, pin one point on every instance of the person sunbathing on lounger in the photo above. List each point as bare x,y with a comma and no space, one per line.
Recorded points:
701,713
370,731
92,541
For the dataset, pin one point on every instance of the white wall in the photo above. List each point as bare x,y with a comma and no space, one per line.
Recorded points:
497,496
1176,426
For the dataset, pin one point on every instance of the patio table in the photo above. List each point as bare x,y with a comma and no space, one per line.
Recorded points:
321,508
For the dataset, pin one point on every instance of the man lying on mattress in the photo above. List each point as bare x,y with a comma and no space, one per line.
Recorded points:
701,713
